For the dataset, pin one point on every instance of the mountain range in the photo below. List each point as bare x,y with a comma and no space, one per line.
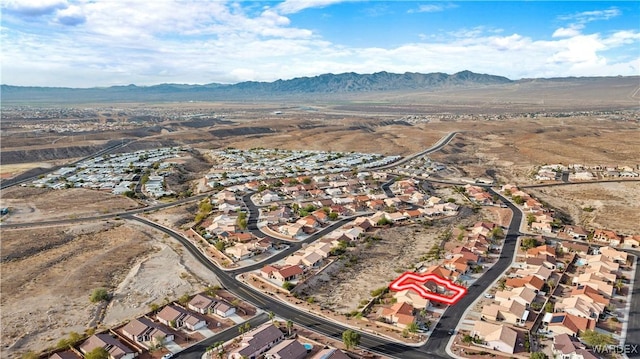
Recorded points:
323,84
327,86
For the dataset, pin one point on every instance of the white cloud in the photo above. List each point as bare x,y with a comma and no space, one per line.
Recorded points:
294,6
433,7
595,15
128,41
572,30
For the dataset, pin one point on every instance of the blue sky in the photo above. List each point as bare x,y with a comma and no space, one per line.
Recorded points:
87,43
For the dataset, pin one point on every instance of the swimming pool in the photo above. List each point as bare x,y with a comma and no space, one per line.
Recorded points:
308,346
580,262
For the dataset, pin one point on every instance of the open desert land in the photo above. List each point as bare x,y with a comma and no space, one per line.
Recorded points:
614,205
378,262
32,205
48,275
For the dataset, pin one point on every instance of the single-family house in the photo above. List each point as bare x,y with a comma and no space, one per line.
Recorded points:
400,314
116,349
286,349
144,330
511,312
580,307
177,317
410,297
223,309
67,354
579,248
541,250
287,274
569,347
257,341
240,251
606,236
589,294
560,323
576,232
613,254
311,259
530,281
522,295
495,336
201,303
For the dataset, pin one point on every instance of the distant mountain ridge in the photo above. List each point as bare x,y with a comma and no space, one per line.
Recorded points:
323,84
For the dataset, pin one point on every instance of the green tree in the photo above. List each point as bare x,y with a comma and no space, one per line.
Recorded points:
467,339
288,285
529,243
212,291
350,338
548,307
99,294
184,299
272,316
220,245
593,338
241,221
97,353
384,221
413,327
333,216
538,355
518,200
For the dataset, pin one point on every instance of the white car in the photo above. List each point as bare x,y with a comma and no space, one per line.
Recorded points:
488,295
167,356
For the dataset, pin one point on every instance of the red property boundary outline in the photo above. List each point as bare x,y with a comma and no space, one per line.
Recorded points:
414,281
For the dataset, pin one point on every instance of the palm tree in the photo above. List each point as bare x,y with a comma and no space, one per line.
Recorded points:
272,315
289,326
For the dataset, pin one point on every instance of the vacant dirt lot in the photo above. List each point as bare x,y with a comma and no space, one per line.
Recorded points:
380,262
48,275
613,206
28,204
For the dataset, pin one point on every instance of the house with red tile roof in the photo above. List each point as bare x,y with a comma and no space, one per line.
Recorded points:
607,236
541,250
400,314
287,274
564,323
589,294
529,281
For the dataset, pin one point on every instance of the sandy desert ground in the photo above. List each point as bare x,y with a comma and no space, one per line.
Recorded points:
48,275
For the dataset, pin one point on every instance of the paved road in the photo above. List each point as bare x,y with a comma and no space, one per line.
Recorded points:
443,142
633,327
439,339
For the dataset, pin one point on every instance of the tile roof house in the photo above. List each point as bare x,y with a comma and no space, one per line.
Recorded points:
223,309
569,324
286,349
287,273
410,297
580,307
145,330
177,317
529,281
613,254
566,346
201,303
574,247
522,295
257,341
400,314
511,312
496,337
116,349
589,294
